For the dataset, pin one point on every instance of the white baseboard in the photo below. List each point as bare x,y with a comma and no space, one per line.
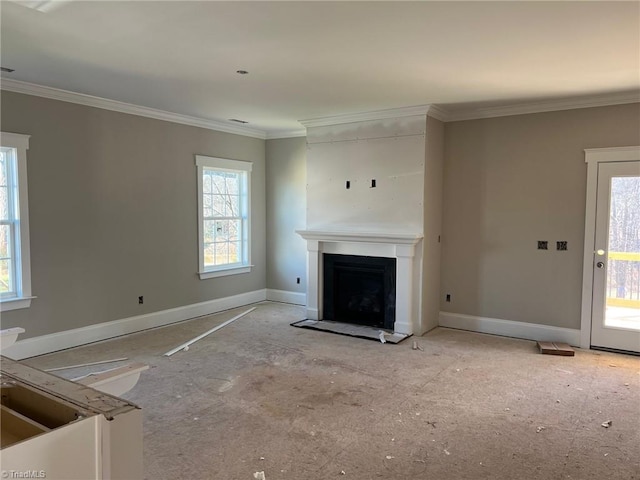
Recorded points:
509,328
53,342
286,297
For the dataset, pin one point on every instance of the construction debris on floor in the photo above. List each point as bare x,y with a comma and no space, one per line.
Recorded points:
556,348
185,346
261,397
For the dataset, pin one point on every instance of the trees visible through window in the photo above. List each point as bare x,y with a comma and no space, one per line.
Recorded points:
15,277
222,217
8,223
223,197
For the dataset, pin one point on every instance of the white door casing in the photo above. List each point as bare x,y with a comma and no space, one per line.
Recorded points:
602,164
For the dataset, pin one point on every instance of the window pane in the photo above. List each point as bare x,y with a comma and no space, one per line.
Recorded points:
234,230
6,285
206,183
209,231
233,206
5,241
207,206
234,253
232,184
209,255
4,203
219,206
218,182
222,253
3,169
222,230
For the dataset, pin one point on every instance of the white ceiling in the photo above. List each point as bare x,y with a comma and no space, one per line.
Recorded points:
316,59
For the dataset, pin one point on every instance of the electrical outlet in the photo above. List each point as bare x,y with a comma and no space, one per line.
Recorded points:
347,185
543,245
298,280
448,297
141,299
562,245
373,183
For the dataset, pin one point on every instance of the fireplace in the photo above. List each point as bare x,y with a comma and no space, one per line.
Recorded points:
360,289
399,248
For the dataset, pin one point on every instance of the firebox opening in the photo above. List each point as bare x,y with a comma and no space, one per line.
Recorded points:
360,290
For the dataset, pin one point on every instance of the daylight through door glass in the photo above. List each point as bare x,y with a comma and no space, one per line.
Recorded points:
623,268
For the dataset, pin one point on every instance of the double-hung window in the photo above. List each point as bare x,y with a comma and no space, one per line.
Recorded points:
15,265
223,216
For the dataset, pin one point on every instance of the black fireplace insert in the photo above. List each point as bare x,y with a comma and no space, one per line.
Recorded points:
359,289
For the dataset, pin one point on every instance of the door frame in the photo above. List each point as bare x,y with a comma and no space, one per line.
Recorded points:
594,157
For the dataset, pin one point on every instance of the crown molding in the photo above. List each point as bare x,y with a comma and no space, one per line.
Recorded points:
26,88
286,134
441,113
438,113
567,103
365,116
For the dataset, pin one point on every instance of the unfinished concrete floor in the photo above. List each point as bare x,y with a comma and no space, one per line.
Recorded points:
260,395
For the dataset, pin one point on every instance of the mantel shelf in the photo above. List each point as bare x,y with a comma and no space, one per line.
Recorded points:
363,237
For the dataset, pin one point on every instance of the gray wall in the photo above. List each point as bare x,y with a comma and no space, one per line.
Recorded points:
509,182
431,254
286,212
113,213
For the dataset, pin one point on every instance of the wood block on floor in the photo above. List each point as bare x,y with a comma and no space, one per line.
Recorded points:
556,348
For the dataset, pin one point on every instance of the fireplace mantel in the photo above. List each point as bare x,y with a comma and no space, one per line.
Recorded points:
366,237
401,246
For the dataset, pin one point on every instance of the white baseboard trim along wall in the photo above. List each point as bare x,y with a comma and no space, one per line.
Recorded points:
53,342
509,328
286,297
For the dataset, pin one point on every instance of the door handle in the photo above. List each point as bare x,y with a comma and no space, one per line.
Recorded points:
600,264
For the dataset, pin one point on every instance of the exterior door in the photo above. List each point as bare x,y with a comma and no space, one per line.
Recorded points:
615,321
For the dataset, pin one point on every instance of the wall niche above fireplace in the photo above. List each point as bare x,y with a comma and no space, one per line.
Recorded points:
360,289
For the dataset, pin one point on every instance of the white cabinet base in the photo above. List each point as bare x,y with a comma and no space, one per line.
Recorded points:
58,429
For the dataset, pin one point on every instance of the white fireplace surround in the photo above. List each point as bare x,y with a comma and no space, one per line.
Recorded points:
402,247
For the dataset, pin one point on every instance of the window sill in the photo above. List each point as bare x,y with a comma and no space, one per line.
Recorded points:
225,271
15,303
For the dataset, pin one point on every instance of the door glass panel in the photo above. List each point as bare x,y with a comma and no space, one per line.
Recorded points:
623,268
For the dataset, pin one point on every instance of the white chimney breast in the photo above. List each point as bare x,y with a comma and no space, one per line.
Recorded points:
382,221
390,151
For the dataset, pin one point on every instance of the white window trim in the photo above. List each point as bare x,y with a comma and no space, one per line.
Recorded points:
23,300
224,164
